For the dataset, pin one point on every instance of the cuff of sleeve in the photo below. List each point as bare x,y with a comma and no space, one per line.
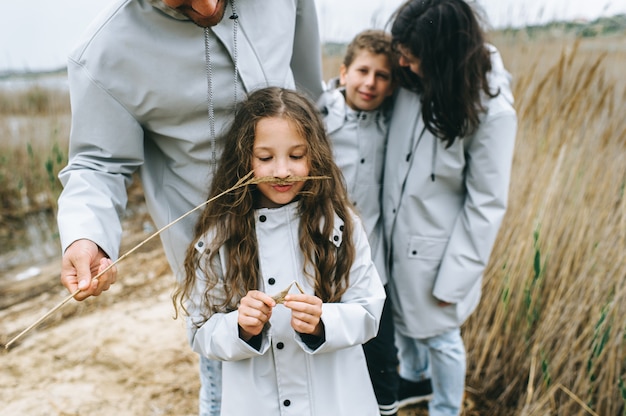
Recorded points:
312,341
254,342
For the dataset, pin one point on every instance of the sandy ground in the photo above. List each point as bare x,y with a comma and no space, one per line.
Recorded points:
121,353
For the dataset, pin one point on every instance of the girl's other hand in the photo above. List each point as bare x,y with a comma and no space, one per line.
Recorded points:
255,309
306,313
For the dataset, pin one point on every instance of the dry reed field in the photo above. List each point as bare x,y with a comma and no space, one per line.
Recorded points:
549,336
34,126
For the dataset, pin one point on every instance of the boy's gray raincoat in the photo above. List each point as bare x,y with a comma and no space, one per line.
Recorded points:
358,139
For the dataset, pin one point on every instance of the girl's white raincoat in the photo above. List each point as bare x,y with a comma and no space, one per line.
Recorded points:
286,376
443,208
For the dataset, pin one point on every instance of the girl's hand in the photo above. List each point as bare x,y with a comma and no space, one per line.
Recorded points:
306,313
255,309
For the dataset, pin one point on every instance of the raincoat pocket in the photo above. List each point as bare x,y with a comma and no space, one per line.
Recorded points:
426,248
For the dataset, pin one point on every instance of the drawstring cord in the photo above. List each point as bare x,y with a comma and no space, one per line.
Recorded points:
235,18
209,71
433,163
413,148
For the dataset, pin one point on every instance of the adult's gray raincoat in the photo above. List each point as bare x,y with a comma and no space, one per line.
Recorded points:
443,208
139,89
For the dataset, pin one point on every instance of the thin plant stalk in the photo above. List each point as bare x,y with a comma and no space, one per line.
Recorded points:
244,181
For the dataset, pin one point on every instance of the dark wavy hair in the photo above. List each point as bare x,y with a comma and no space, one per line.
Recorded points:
446,36
231,217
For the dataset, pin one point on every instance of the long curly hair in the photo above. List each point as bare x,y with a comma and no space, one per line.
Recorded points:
446,36
230,218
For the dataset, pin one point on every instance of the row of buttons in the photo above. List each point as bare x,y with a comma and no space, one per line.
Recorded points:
279,345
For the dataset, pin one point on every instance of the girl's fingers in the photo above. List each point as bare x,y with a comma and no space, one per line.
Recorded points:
305,304
261,315
307,324
310,318
258,299
306,312
255,308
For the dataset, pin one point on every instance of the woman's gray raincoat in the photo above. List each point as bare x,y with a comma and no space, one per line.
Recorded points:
443,208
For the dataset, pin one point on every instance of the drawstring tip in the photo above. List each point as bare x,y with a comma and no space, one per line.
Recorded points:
432,177
234,16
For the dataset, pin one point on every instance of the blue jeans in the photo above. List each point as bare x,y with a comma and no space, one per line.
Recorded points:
210,401
440,358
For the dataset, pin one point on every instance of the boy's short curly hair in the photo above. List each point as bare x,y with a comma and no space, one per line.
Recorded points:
375,41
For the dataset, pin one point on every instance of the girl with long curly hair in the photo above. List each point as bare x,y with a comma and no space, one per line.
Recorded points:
298,352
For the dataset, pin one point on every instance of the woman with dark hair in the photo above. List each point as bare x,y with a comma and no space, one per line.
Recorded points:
448,164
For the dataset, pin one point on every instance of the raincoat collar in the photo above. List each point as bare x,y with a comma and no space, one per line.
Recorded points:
158,4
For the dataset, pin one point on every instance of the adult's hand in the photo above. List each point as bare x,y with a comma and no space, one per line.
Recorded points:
83,260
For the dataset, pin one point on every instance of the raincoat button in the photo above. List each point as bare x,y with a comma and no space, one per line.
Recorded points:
280,345
262,218
271,280
287,402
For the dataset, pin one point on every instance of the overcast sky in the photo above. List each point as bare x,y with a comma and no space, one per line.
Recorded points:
38,34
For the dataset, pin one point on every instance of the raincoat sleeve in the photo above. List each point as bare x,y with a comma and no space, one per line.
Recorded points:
306,61
218,337
489,156
355,319
106,147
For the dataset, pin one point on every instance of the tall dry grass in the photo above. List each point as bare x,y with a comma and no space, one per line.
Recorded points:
549,335
34,126
34,131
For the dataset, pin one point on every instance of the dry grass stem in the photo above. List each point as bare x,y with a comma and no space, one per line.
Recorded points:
531,378
299,287
285,181
280,297
244,181
567,391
